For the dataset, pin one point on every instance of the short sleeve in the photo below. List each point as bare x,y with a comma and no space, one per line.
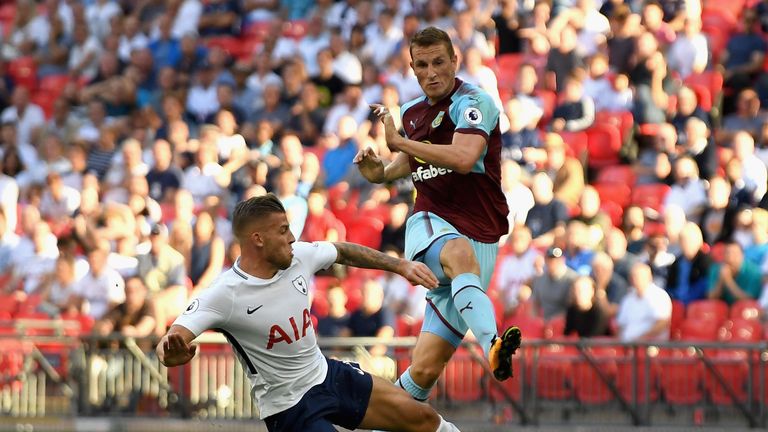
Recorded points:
317,255
663,309
211,310
475,113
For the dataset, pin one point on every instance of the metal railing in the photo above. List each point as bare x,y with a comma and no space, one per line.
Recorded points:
600,382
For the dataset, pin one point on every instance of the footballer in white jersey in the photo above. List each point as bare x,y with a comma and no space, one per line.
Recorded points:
262,306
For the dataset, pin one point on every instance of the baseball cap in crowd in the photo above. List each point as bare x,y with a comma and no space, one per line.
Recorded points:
554,252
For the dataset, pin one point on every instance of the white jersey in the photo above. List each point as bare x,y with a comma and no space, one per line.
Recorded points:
268,324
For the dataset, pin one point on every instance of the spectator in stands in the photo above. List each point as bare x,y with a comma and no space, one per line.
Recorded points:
736,278
295,205
717,220
517,270
220,18
337,162
596,220
551,291
373,319
9,241
36,253
747,117
742,59
404,300
58,289
689,191
102,288
522,143
689,53
508,26
587,316
754,170
686,108
648,75
329,85
466,36
207,254
700,147
616,248
633,226
653,21
758,250
321,223
688,277
546,219
563,58
566,172
134,317
393,234
206,177
202,100
576,111
30,29
336,323
26,115
519,197
607,94
613,285
645,312
84,54
59,202
577,256
622,43
164,178
162,270
383,37
308,116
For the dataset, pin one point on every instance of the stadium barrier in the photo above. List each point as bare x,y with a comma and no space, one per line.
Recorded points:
601,382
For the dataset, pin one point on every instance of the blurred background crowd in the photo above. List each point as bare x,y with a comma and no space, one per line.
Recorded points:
634,154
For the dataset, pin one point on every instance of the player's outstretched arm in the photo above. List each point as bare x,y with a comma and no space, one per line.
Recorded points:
175,347
361,256
373,169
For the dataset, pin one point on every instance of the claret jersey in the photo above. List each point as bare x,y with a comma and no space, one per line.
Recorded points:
474,203
268,324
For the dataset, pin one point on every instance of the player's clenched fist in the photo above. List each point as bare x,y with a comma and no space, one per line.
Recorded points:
175,351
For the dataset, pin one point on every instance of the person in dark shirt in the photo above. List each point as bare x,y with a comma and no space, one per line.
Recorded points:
220,18
742,59
163,179
546,219
687,279
393,235
508,25
336,323
329,85
587,316
133,318
373,319
563,59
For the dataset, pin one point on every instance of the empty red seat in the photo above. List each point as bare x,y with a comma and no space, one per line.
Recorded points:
718,17
718,40
623,174
650,195
555,328
741,330
745,309
698,330
622,120
233,46
614,211
681,376
23,72
625,377
257,30
618,193
603,145
676,321
554,373
463,377
576,144
365,231
589,383
508,67
703,96
734,371
8,302
708,310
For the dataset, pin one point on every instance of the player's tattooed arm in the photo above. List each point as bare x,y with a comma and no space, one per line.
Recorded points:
364,257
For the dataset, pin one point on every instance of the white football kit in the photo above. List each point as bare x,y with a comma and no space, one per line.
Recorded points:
268,324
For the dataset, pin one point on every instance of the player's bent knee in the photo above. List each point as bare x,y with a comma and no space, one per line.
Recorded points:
422,418
425,375
458,257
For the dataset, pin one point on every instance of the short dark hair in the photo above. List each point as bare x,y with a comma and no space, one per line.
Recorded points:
432,36
253,209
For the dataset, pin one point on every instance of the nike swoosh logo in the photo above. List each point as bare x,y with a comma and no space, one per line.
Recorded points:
250,311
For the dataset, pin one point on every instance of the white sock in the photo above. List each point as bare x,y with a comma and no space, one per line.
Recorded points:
446,426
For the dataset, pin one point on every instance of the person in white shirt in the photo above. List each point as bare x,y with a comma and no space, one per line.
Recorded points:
645,312
206,177
689,52
382,38
755,171
262,306
203,100
98,16
102,288
132,39
316,39
517,269
84,55
689,191
59,202
26,115
187,17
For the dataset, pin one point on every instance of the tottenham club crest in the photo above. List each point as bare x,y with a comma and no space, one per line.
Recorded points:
301,285
438,119
473,116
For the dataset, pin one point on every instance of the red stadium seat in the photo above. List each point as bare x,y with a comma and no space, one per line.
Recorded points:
618,193
698,330
625,378
720,18
233,46
8,302
735,7
712,80
718,40
614,211
365,231
650,195
463,377
745,309
622,120
623,174
258,30
23,72
740,331
555,328
554,373
589,386
603,145
295,29
508,67
681,377
703,96
733,368
531,327
577,144
548,101
678,316
708,310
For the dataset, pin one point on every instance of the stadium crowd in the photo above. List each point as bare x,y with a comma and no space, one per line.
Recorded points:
635,153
